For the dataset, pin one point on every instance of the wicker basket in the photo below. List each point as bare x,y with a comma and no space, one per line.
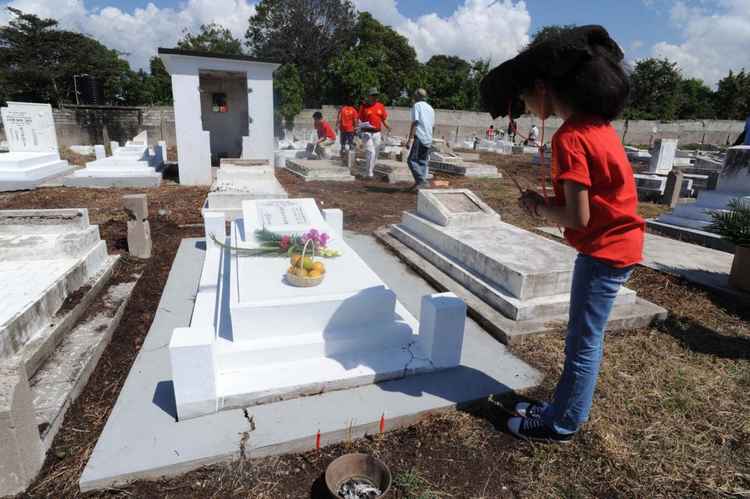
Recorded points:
304,282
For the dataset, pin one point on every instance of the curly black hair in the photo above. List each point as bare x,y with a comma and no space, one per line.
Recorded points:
317,115
582,65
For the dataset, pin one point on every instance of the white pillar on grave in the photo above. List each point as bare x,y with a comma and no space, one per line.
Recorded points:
193,143
662,158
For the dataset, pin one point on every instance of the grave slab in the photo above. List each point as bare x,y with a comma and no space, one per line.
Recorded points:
331,170
32,158
237,182
142,440
734,183
134,165
521,274
700,265
464,169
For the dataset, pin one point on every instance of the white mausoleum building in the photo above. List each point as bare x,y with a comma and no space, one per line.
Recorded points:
223,106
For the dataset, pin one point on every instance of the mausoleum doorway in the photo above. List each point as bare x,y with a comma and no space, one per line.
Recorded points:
224,111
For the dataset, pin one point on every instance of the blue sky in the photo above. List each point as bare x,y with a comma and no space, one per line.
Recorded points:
706,38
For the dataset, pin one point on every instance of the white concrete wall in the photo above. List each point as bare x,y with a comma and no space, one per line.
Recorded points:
260,143
193,167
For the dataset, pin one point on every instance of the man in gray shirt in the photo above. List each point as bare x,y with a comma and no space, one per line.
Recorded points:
422,123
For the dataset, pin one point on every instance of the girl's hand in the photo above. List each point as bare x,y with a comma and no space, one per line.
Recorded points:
530,202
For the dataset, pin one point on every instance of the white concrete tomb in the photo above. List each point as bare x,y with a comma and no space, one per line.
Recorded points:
254,338
33,156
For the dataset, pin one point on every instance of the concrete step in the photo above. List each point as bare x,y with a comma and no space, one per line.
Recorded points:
31,295
238,355
16,161
288,380
44,221
61,379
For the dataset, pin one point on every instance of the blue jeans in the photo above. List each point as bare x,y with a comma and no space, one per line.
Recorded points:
418,158
595,287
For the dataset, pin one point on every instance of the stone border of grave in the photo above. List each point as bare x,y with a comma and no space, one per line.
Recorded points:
504,329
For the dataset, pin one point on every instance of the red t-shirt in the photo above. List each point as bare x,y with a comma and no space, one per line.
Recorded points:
347,118
591,154
375,114
325,130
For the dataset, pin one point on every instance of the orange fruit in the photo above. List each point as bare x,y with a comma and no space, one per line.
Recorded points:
318,266
300,272
295,259
290,269
314,274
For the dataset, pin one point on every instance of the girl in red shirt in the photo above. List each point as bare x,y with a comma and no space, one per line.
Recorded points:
577,75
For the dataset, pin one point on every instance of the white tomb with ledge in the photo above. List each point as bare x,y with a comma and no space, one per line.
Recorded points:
33,156
134,165
254,338
734,183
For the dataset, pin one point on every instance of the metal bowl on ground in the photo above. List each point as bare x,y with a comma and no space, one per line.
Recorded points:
358,467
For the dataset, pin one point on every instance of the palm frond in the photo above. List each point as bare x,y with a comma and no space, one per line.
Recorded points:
733,223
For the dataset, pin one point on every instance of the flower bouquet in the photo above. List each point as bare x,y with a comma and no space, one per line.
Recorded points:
273,244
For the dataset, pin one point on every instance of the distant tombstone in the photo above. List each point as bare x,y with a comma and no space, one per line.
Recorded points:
29,127
454,207
662,159
114,146
100,152
141,138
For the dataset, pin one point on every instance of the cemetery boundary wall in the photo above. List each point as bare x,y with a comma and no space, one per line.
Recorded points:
87,125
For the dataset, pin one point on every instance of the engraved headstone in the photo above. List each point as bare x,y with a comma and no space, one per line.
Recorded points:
454,207
29,127
663,157
284,216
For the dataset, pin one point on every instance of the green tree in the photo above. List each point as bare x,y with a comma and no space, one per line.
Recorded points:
380,57
289,96
306,33
211,38
159,83
695,100
447,80
654,93
733,96
38,63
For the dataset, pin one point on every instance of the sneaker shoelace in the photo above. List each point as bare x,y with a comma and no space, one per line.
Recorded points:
534,411
530,424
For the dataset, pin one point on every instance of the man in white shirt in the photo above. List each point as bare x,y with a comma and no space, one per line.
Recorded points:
422,123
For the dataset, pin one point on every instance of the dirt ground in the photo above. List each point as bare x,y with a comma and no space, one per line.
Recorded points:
670,417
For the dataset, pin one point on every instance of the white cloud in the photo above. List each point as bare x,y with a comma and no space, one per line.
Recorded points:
476,29
495,29
716,37
140,32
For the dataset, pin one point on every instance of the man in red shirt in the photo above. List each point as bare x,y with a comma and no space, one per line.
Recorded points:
346,122
373,118
326,135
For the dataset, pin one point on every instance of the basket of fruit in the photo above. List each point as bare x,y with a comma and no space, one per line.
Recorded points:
305,271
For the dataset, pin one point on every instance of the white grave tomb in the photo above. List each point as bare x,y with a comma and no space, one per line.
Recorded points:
521,274
332,170
254,338
134,165
223,106
240,180
734,182
33,156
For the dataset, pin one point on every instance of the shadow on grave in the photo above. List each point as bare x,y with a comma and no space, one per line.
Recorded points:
164,398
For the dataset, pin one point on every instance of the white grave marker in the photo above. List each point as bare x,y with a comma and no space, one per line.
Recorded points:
29,127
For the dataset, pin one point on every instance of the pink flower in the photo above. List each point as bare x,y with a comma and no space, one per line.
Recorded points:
284,242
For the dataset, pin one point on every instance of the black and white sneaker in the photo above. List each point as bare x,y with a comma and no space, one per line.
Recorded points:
528,410
535,429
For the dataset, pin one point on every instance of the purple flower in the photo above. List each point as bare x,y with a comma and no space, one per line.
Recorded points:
324,238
